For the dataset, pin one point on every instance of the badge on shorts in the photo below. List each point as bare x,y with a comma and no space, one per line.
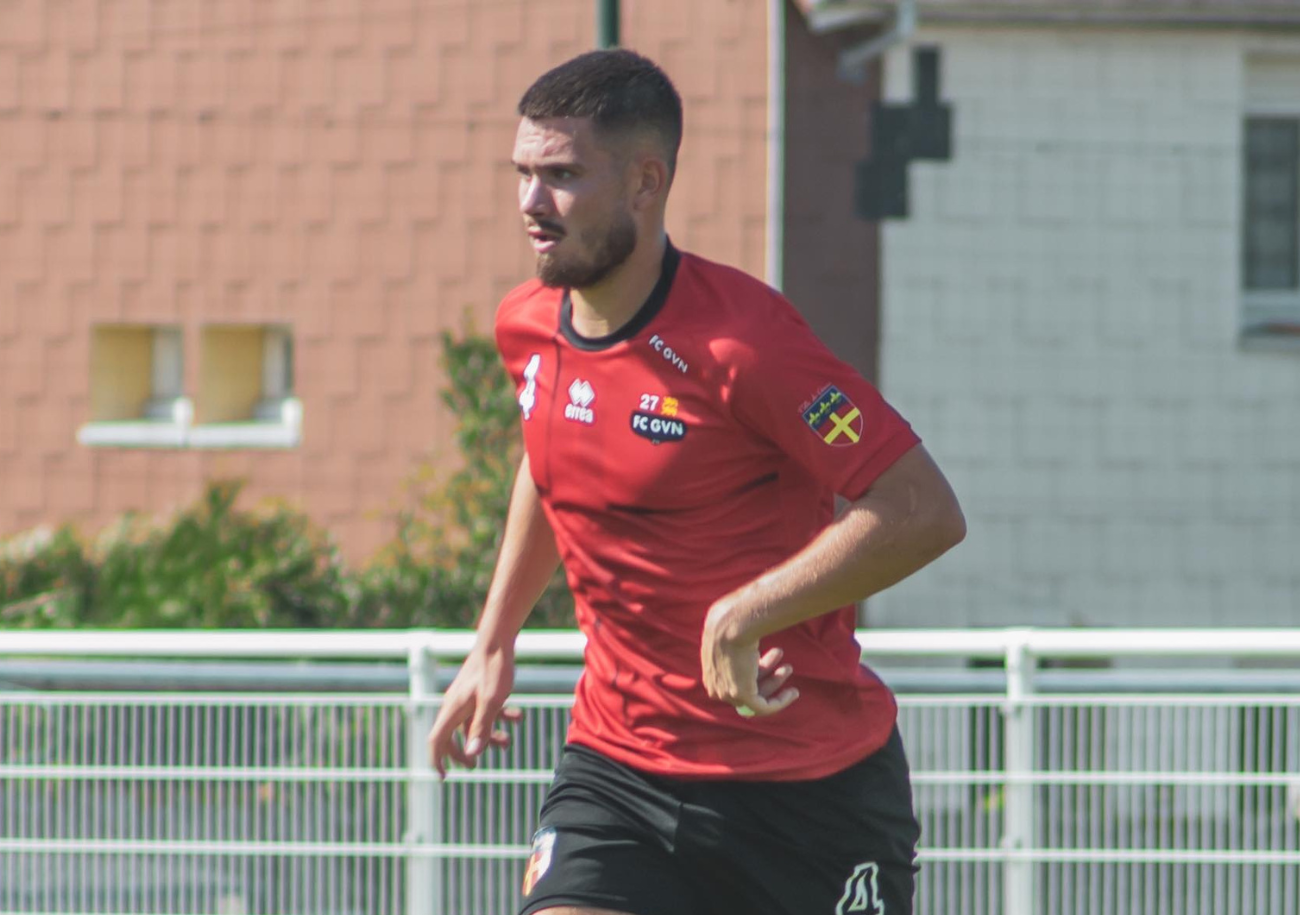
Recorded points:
861,894
539,862
833,417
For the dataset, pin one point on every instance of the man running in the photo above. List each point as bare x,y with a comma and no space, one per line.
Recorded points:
686,435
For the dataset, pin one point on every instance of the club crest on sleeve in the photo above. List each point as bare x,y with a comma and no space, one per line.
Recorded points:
833,417
539,862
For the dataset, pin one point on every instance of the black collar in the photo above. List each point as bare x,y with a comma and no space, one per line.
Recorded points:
644,315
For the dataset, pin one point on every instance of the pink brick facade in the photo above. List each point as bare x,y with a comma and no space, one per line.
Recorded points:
338,166
831,256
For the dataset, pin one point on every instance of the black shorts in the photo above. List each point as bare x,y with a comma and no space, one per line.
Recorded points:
613,838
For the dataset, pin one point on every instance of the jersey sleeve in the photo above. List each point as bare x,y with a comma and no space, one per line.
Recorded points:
787,386
510,329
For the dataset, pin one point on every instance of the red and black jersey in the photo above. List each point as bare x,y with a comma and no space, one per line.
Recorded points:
676,460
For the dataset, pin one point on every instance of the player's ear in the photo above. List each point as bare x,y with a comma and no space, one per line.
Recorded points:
651,181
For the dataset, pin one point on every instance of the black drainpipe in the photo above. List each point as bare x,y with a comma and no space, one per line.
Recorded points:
607,23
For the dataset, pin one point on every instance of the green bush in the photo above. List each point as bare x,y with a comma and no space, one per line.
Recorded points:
437,570
45,580
211,566
214,565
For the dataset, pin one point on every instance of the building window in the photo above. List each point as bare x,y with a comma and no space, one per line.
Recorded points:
1272,232
136,387
245,397
1270,222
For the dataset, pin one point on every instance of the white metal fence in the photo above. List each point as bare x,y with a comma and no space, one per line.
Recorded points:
1048,781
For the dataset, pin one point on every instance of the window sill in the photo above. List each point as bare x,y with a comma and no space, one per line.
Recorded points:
282,432
141,433
1271,337
1270,321
244,435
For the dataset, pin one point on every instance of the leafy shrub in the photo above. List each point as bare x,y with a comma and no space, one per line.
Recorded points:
45,579
214,566
437,570
210,566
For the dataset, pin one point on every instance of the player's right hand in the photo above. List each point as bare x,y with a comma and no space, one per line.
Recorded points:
472,707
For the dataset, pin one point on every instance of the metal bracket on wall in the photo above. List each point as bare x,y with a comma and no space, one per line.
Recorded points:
901,134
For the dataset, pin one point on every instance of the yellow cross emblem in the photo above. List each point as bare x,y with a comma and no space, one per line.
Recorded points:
842,424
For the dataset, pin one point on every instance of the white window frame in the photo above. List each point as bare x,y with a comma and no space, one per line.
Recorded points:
168,420
168,412
277,418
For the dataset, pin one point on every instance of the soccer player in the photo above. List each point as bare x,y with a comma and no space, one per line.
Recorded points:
685,436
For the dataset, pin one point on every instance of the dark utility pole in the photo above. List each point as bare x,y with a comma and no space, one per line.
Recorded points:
607,23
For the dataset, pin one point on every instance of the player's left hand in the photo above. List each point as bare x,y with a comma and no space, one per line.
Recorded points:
735,674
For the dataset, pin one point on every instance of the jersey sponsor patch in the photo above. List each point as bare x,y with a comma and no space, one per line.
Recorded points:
833,417
539,862
861,892
658,428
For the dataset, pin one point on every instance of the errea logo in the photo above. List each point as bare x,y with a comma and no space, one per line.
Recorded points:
579,409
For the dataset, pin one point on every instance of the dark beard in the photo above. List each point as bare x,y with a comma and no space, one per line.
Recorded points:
616,247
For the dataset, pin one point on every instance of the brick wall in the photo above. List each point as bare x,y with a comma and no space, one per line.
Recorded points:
716,54
831,263
338,166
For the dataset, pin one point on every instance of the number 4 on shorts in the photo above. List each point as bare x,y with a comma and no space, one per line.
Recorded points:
861,893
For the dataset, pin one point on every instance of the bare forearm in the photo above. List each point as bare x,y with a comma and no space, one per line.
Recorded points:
475,700
895,529
524,567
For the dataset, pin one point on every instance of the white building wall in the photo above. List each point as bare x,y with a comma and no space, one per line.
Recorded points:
1060,321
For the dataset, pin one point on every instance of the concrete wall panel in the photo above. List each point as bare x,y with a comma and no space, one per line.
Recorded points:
1066,294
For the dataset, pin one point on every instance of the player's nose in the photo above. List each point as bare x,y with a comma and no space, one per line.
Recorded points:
533,197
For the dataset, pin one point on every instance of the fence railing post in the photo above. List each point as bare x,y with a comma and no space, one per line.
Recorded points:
424,796
1019,813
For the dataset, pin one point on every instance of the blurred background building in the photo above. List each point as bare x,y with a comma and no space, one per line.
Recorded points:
231,233
1093,311
1064,237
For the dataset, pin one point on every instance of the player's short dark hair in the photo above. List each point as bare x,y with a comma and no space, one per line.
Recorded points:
621,91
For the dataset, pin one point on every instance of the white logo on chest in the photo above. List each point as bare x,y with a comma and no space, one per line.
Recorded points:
670,355
579,407
528,396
